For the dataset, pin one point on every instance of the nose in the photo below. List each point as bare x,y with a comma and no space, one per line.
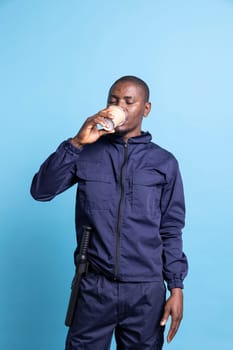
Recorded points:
122,104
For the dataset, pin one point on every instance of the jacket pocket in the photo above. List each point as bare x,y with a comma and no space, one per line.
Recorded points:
94,187
147,188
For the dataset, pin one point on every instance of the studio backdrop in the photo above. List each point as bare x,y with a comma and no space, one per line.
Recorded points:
58,59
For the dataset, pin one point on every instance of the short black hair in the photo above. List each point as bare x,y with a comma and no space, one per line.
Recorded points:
135,80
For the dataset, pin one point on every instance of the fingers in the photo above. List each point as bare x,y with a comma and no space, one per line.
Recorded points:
173,308
90,132
106,113
175,323
99,118
173,328
94,120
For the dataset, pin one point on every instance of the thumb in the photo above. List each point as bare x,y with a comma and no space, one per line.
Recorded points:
164,317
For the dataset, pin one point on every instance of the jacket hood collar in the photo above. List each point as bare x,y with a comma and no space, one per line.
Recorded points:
145,137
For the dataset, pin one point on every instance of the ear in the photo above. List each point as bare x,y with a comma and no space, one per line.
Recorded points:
147,109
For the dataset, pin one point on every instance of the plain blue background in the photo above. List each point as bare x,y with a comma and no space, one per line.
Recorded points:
57,61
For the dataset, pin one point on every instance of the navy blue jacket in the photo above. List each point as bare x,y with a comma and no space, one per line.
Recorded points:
132,195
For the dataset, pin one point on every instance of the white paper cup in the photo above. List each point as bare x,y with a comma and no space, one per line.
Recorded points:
118,115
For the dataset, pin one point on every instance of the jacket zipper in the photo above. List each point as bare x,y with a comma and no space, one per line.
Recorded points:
119,212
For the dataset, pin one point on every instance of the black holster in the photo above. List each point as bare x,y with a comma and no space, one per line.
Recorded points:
81,263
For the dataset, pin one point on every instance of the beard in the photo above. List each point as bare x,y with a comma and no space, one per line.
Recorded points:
126,129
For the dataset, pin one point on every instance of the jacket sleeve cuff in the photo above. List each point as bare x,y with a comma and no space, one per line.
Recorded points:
175,283
71,148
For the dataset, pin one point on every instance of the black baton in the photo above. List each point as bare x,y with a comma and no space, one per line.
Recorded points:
81,263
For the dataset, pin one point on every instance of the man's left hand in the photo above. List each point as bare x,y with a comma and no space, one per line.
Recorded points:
173,308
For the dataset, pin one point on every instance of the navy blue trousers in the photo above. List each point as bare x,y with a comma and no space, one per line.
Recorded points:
132,310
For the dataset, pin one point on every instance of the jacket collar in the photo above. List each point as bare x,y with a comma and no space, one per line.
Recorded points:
145,137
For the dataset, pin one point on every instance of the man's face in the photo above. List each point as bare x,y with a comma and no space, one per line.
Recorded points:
131,98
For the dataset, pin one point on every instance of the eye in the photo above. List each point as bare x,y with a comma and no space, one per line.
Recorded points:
112,102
